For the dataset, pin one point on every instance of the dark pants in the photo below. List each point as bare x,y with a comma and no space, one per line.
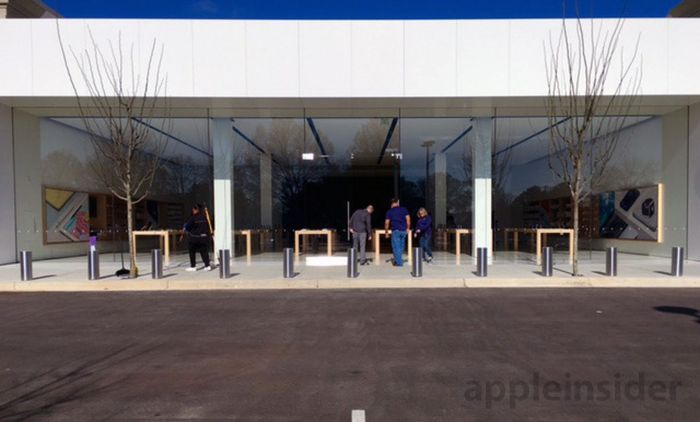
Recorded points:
425,246
201,245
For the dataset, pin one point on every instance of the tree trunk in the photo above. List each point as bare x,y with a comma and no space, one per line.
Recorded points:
133,269
575,210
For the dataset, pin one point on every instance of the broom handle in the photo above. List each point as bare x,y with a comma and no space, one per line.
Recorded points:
206,214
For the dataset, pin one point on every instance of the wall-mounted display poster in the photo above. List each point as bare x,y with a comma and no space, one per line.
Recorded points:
66,216
630,214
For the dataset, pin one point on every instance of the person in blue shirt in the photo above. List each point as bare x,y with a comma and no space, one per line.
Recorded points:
424,232
399,221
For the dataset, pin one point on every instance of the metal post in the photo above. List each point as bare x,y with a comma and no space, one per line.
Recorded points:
611,262
156,264
93,265
547,261
482,262
417,263
677,261
288,270
224,263
352,263
25,264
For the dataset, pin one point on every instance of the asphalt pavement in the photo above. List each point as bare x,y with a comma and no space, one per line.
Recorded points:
309,355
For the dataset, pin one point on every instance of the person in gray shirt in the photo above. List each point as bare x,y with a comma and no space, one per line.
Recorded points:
360,225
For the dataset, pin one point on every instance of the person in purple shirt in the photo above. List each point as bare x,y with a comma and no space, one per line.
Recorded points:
424,232
399,221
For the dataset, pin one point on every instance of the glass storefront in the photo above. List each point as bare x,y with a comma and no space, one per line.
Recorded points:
313,170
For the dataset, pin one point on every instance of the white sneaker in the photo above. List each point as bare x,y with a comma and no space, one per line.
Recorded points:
209,268
191,269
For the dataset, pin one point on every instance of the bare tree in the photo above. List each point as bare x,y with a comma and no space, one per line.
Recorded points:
587,104
122,107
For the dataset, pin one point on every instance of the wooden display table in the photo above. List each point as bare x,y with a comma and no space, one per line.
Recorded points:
164,236
541,239
542,235
248,242
306,232
515,232
458,241
380,232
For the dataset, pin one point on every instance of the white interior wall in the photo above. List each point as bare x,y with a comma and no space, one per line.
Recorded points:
674,177
28,182
8,247
694,182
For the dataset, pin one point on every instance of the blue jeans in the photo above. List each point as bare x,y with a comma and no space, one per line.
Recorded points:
425,246
398,244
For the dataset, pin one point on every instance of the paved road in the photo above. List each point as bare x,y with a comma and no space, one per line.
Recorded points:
400,355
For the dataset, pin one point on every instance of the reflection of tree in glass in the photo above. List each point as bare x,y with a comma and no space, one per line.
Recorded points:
62,169
284,140
368,142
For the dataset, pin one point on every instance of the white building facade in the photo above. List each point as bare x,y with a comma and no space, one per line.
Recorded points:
248,98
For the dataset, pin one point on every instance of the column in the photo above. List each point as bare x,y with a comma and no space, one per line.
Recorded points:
222,142
481,141
440,203
265,190
8,230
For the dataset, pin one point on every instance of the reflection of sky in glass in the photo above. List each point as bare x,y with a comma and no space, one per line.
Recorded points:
190,137
523,143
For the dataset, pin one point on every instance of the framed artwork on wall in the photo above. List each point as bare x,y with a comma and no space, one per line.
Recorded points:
66,216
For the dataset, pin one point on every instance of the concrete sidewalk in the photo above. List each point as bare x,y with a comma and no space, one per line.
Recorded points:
70,274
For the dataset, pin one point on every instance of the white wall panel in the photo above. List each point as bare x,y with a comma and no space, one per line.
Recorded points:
219,58
477,40
526,64
16,57
342,58
48,70
272,58
431,58
377,59
653,53
683,42
325,58
175,37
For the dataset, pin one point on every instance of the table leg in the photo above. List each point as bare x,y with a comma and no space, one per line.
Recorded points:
538,248
571,247
330,244
249,246
167,249
458,247
505,240
296,246
516,248
376,247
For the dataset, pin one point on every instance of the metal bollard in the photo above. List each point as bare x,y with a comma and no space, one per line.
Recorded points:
224,263
417,265
547,261
93,265
611,262
677,261
288,270
482,262
25,265
352,263
156,264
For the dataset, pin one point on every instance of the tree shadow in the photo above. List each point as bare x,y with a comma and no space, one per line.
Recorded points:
680,310
40,394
